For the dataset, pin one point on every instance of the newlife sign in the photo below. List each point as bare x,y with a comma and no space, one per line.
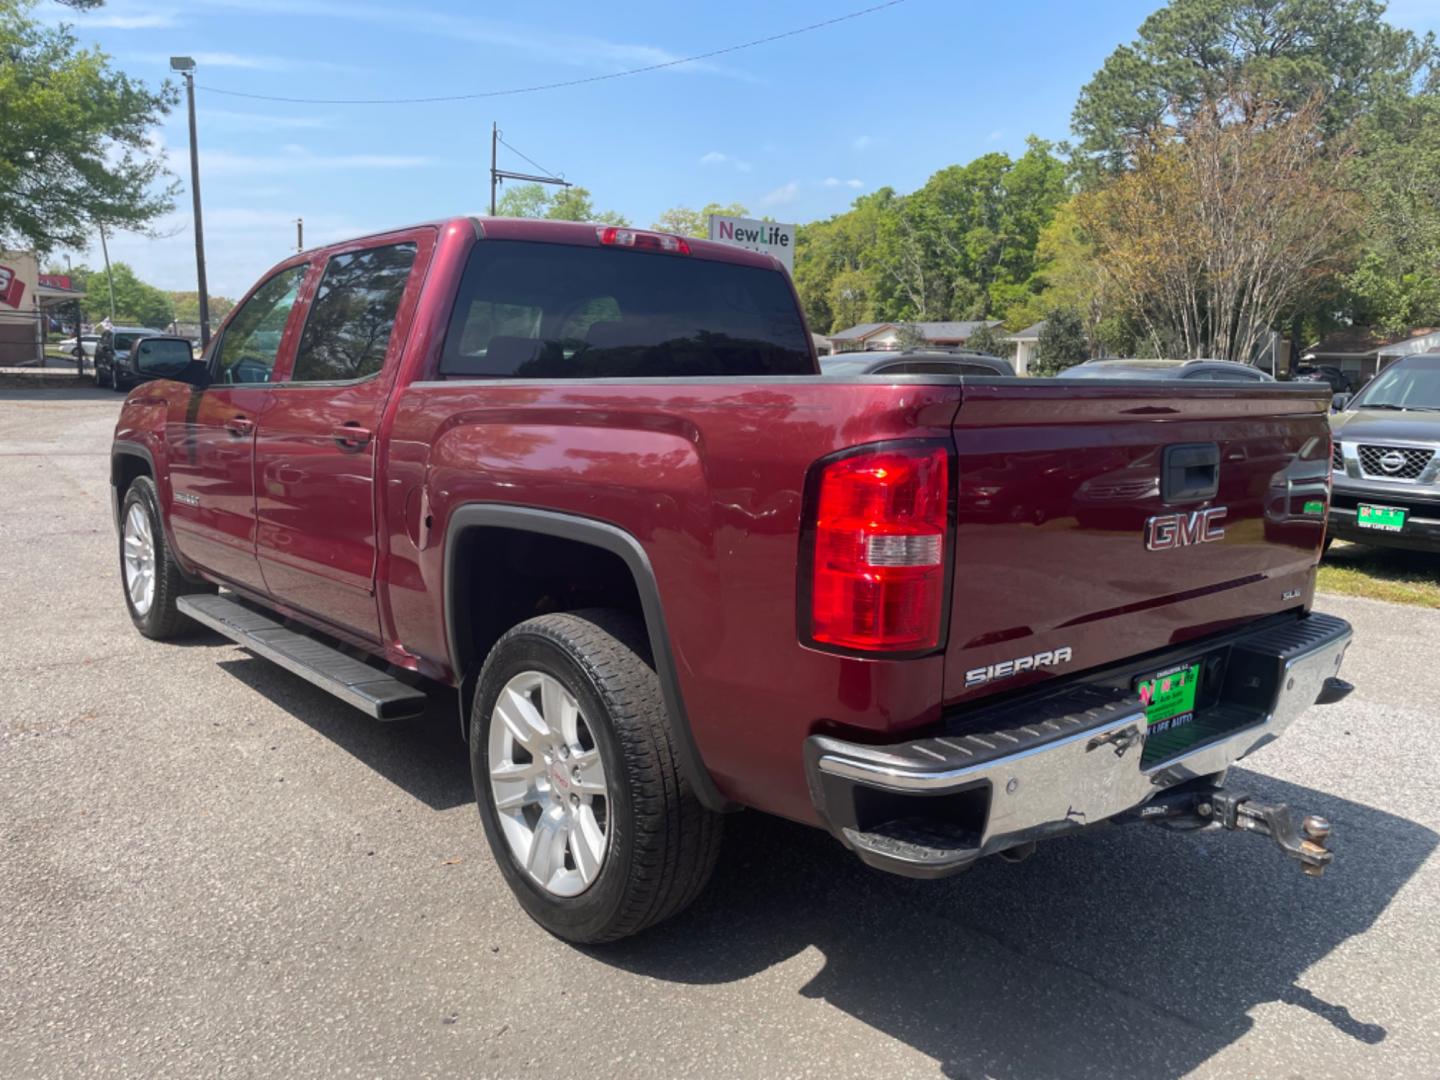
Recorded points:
769,237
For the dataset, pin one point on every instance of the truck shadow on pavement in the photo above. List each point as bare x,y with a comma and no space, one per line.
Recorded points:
424,757
1126,952
1119,952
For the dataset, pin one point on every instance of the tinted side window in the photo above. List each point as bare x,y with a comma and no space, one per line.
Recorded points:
252,337
353,313
558,311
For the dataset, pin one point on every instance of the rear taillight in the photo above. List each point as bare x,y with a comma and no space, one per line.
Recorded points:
877,575
615,236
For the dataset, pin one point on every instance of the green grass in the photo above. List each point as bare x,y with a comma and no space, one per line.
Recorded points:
1402,577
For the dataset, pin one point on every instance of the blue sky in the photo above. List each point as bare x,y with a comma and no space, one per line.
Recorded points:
794,129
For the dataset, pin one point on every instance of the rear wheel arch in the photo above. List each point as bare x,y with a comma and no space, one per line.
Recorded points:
477,615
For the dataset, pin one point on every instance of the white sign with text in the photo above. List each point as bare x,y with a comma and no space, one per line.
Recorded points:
770,237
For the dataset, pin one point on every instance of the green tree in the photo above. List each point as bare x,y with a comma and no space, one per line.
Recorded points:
1192,51
186,306
1062,342
683,221
74,138
961,247
910,336
574,204
565,204
1397,282
136,303
523,200
990,339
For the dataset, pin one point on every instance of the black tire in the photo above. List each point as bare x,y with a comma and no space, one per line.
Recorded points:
162,620
116,384
662,843
1325,548
101,381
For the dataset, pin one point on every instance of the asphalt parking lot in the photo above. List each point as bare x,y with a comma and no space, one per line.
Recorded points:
209,868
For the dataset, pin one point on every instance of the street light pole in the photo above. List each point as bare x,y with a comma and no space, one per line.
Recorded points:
186,66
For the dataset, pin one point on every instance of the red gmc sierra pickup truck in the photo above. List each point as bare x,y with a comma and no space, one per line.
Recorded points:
592,478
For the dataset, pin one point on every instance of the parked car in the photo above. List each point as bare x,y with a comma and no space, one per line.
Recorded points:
1202,370
87,344
916,362
111,352
592,478
1386,459
1333,377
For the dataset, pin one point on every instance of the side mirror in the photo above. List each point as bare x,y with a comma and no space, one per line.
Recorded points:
1339,401
169,360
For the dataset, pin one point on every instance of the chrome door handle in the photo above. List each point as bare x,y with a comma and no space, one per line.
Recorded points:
351,436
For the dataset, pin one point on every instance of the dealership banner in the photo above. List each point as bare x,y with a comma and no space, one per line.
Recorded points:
770,237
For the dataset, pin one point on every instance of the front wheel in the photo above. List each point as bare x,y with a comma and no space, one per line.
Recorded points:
152,578
586,811
101,381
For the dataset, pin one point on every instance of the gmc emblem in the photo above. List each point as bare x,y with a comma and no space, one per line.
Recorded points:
1165,531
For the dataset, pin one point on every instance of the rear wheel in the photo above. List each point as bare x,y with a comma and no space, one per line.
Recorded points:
594,828
102,380
151,576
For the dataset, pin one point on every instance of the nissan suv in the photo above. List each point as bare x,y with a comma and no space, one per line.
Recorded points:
1386,466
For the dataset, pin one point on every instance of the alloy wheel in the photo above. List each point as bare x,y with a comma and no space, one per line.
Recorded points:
548,784
139,559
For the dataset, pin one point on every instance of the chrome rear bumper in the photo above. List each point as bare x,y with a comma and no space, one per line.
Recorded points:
1042,768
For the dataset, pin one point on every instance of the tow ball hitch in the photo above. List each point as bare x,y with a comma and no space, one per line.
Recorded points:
1306,843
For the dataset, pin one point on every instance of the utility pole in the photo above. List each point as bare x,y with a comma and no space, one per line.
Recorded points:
299,234
109,281
186,66
499,175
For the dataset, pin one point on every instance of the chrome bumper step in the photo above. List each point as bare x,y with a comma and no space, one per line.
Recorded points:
369,689
1061,760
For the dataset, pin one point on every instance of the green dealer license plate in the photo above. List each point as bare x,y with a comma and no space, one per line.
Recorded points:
1169,697
1383,518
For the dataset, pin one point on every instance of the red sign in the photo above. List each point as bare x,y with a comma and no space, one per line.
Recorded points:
55,281
11,287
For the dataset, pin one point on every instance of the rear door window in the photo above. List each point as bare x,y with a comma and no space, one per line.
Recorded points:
531,310
348,328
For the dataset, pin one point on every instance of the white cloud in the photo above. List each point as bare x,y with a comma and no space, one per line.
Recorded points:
995,136
863,142
244,61
715,157
835,181
785,193
853,183
599,54
112,17
294,159
831,181
247,121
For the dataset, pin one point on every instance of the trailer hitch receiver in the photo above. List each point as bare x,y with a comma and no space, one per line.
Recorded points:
1306,843
1215,808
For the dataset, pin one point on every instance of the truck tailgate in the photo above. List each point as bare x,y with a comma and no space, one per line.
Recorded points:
1060,485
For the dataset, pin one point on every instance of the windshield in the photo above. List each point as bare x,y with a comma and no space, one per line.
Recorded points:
1403,386
554,311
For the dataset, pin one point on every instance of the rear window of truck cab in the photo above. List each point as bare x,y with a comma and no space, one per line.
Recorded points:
533,310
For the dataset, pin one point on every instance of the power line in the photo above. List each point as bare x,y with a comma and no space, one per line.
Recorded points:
559,85
500,139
